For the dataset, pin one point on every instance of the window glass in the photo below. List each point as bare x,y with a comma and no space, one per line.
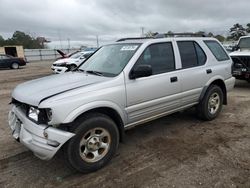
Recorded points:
5,57
110,60
191,54
201,56
188,54
76,56
159,56
244,42
217,50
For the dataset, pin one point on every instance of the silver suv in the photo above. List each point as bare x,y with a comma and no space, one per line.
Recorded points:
123,84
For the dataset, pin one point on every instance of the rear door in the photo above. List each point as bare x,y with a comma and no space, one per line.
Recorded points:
193,74
153,96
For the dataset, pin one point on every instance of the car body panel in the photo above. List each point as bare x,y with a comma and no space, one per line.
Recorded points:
6,61
136,101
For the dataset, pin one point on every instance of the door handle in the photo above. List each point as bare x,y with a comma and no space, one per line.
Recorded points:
209,71
174,79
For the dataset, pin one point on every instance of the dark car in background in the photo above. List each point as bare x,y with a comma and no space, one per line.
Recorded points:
7,61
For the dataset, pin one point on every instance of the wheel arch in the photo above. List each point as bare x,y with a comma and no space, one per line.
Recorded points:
12,62
218,82
115,114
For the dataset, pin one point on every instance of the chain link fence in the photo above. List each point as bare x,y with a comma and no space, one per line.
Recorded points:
44,54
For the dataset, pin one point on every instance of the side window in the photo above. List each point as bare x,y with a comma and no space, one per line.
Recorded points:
5,57
217,50
191,54
160,56
201,56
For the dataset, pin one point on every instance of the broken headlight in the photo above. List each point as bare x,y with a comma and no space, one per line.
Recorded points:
33,113
49,114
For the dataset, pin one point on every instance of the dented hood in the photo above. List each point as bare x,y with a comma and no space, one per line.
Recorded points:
33,92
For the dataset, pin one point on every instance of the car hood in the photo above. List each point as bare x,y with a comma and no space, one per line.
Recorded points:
65,60
33,92
61,53
245,52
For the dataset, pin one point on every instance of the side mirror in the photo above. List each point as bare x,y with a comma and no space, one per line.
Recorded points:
141,71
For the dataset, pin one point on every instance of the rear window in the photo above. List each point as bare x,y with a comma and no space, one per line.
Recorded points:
191,54
217,50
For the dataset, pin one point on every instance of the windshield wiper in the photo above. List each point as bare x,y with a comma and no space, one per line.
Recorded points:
80,70
94,72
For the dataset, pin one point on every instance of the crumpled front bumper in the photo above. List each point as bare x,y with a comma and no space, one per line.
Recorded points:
42,140
58,69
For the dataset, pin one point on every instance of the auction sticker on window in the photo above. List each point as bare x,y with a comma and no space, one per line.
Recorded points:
129,48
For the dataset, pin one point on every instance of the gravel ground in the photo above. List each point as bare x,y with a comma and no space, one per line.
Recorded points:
174,151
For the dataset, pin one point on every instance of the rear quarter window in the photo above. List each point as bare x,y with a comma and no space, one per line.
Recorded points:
217,50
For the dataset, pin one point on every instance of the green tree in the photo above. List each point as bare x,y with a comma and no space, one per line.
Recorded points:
2,41
237,31
248,28
220,38
210,34
21,38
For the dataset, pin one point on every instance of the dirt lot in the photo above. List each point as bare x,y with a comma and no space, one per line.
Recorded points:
174,151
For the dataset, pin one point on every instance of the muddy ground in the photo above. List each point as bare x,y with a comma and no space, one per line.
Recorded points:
174,151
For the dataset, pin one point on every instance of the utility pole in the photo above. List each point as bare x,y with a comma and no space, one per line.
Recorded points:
60,37
142,31
68,43
97,41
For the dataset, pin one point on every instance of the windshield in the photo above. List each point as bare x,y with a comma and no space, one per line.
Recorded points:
244,43
110,60
77,55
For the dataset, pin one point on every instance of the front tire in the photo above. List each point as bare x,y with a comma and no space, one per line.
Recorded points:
94,144
211,104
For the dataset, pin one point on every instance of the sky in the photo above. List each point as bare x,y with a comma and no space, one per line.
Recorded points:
80,21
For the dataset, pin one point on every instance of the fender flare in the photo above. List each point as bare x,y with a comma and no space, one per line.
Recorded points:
94,105
204,90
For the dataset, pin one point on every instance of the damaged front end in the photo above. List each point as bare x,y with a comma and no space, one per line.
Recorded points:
241,67
29,125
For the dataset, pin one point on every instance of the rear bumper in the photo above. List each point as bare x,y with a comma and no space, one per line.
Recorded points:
43,141
230,83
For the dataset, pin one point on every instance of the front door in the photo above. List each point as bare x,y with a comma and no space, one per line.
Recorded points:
157,94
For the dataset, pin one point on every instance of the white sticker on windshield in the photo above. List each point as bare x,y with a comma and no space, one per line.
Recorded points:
129,48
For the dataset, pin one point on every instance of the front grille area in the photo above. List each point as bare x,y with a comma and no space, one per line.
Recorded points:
24,107
42,116
245,60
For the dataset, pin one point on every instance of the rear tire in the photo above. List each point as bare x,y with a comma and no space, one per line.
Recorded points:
15,65
94,144
211,104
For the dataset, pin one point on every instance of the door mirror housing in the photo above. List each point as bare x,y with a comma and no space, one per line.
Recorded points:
141,71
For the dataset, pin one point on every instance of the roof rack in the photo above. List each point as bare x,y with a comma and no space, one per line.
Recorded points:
134,38
164,35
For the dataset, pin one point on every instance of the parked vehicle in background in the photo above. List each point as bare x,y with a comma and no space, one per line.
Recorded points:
66,55
69,64
241,59
122,85
7,61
